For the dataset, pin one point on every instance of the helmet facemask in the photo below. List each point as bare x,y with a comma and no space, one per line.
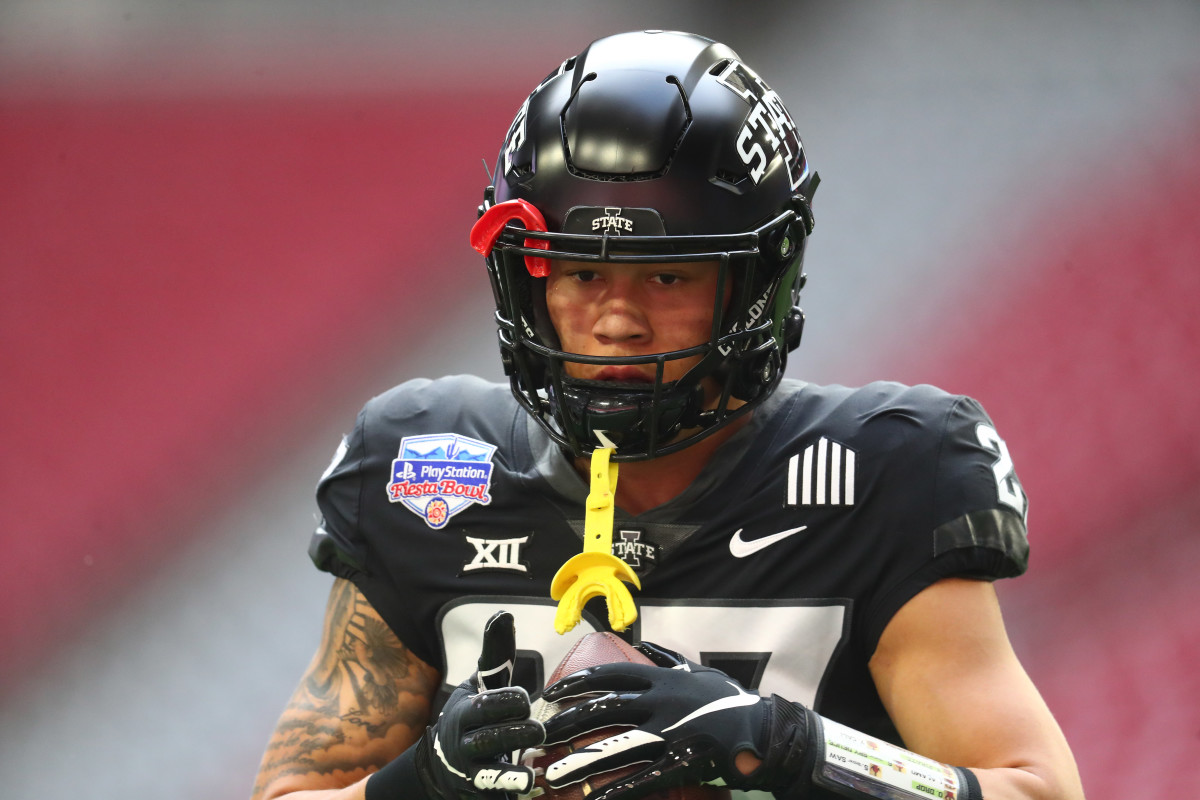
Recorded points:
754,325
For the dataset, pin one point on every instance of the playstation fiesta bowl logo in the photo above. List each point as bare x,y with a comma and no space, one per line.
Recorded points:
438,475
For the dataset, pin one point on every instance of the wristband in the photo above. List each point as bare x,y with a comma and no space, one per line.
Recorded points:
398,779
861,766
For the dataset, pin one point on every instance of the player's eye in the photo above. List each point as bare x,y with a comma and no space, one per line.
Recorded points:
666,278
585,275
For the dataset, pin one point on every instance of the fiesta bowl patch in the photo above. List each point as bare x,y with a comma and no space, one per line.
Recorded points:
438,475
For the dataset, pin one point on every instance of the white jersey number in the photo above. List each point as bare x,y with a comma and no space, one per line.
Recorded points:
1008,488
779,647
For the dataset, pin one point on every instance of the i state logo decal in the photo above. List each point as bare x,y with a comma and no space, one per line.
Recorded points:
438,475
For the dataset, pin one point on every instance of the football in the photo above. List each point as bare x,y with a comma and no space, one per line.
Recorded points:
591,650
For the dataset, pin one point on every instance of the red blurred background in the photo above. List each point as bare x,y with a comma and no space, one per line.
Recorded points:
219,235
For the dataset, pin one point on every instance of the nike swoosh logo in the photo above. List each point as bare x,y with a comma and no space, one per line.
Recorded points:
740,548
738,699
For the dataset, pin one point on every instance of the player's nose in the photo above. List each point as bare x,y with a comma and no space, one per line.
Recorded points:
622,317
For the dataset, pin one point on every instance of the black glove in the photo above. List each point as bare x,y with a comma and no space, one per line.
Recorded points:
464,754
691,722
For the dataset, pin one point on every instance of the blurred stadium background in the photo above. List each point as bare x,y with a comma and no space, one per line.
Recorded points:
224,225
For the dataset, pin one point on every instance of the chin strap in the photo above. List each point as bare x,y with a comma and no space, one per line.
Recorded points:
596,571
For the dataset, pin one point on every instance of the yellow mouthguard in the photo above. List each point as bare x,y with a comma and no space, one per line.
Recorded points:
596,571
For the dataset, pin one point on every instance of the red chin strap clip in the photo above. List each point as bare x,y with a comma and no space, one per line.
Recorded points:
488,228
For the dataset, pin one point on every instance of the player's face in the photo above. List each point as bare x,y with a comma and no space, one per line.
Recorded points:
601,309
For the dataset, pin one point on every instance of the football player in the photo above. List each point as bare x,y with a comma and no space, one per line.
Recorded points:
815,562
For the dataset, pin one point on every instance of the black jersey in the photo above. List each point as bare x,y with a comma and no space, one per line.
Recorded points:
781,564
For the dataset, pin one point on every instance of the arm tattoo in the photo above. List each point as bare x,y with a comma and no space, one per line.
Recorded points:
364,699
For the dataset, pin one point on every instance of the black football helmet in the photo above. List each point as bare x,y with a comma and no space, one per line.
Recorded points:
651,146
